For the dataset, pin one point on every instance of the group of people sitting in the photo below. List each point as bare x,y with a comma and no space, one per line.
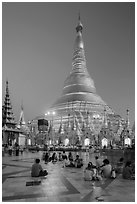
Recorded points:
68,161
48,158
127,169
103,169
96,172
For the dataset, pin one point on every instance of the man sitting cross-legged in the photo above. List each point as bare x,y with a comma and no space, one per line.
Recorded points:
37,170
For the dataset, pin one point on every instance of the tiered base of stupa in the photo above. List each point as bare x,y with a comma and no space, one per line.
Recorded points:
76,121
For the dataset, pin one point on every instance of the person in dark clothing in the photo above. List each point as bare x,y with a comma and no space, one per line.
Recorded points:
37,170
17,150
10,150
70,160
60,156
127,171
46,158
54,158
78,162
120,165
64,158
70,156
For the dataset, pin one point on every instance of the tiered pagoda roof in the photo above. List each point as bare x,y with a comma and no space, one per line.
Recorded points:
7,112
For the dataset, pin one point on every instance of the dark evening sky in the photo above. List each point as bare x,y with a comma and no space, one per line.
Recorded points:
37,49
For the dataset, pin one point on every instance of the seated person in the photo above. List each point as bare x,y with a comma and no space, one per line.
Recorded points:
70,156
106,169
127,171
54,158
37,170
60,156
78,162
69,163
46,158
43,156
64,158
88,173
99,162
120,165
94,169
133,167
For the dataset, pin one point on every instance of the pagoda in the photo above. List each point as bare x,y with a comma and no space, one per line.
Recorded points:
9,131
79,96
127,135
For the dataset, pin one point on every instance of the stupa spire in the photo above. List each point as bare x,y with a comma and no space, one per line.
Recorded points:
78,59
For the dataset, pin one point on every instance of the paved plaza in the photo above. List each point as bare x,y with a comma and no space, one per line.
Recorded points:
61,185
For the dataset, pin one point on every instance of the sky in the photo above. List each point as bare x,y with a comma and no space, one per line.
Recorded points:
37,47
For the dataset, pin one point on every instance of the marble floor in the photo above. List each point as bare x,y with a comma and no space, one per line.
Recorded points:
61,184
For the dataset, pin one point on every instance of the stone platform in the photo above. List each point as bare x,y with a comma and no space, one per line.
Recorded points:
61,184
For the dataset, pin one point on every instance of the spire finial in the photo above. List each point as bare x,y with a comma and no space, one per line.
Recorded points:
6,82
79,26
7,86
79,16
22,104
